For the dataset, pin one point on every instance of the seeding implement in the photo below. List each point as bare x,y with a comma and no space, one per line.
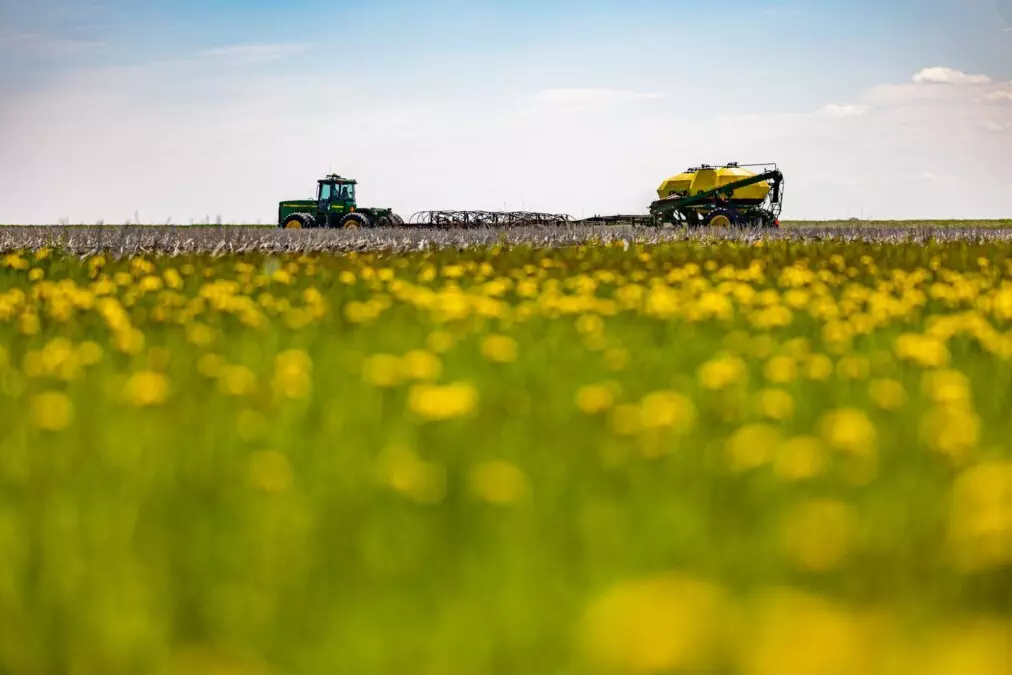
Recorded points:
726,196
706,196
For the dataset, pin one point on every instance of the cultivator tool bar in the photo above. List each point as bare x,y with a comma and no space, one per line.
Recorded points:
486,218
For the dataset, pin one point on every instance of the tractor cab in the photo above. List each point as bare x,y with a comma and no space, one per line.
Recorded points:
334,191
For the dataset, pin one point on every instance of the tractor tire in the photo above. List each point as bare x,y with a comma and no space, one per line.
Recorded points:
354,221
298,221
722,219
384,221
398,221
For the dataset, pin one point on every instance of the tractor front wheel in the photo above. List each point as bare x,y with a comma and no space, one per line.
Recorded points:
354,221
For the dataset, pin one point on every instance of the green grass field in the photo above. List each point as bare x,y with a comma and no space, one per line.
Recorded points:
767,459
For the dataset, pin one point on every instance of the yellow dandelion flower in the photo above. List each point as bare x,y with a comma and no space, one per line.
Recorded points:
924,350
269,471
383,370
498,482
499,348
442,402
402,470
951,430
799,458
665,623
209,365
887,394
853,368
667,410
236,380
817,535
980,525
593,399
89,353
751,446
419,364
52,411
850,430
722,372
946,386
439,341
802,634
147,388
819,367
776,404
292,374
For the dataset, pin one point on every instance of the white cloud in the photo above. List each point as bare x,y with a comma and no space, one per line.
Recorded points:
999,95
40,43
592,96
940,75
253,53
834,110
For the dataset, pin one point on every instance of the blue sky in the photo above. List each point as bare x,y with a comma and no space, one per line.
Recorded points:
189,109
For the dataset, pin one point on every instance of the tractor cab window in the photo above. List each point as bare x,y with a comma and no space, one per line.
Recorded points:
345,192
326,192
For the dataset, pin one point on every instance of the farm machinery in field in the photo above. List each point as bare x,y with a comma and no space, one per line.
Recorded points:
704,196
724,196
334,206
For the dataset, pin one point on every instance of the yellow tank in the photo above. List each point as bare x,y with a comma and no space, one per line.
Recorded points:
705,178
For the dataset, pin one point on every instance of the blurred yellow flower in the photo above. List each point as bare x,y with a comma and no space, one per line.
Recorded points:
667,410
850,430
498,482
147,388
799,458
403,470
499,348
923,350
775,404
668,623
441,402
751,446
980,526
594,398
269,471
439,341
819,367
818,534
946,386
853,368
236,380
383,370
52,411
292,374
951,430
887,394
794,633
781,369
722,372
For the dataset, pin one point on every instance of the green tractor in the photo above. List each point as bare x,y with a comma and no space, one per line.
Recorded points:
334,206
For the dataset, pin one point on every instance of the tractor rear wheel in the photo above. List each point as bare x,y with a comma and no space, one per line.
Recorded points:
384,221
354,221
298,221
398,221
